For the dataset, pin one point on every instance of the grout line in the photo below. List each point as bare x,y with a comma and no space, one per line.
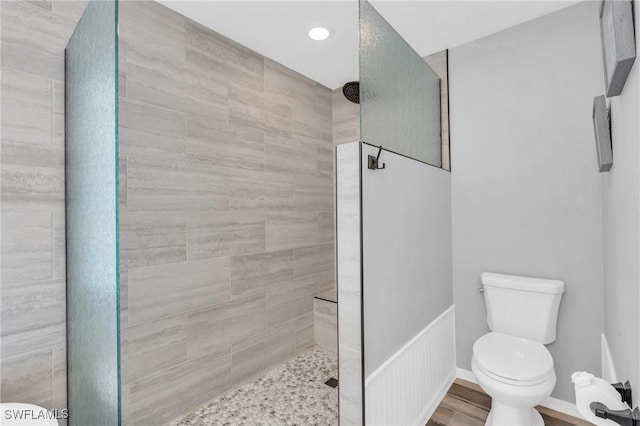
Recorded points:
30,352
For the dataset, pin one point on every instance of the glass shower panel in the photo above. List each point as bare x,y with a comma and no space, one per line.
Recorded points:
399,93
407,341
93,353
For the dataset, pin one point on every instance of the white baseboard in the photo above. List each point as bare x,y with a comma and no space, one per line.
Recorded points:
562,406
467,375
551,402
608,368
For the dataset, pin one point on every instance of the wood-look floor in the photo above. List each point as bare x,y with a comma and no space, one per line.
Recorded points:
467,405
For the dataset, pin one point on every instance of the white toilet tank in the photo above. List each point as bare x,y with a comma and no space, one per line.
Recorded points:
522,306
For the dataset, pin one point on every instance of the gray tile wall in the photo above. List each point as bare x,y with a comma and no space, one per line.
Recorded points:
346,119
349,307
32,324
227,212
325,325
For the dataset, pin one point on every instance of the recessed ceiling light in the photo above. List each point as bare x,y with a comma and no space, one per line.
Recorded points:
319,33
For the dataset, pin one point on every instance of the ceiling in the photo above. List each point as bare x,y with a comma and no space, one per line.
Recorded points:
278,29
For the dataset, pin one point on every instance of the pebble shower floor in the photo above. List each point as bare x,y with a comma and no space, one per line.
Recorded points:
293,393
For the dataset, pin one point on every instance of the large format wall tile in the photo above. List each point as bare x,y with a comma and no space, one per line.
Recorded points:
32,177
346,119
28,378
313,193
26,108
148,238
349,292
245,107
173,83
58,113
124,298
325,161
282,85
310,261
59,245
202,83
27,247
33,316
326,227
257,353
216,143
33,39
312,114
290,230
223,324
325,324
122,183
290,300
304,332
153,345
224,234
145,23
155,184
149,131
244,68
260,191
299,160
154,80
276,118
160,398
60,378
255,273
70,9
169,289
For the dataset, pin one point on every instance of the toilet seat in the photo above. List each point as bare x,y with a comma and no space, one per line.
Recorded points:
512,360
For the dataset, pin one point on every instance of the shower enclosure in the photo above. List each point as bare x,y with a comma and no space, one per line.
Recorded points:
200,220
396,336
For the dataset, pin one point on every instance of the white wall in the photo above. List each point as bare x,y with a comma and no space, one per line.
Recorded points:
526,194
621,211
406,237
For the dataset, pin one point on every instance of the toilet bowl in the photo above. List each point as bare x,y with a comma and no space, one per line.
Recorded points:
511,363
517,373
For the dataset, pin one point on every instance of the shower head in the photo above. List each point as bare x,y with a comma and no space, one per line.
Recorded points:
351,91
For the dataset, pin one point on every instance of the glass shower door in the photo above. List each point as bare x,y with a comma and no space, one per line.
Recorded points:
405,213
91,98
399,93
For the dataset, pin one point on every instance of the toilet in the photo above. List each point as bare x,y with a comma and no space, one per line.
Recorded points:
511,363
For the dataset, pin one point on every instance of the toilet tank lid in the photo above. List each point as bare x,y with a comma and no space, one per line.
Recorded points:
537,285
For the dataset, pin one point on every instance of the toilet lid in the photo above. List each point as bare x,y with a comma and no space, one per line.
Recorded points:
512,358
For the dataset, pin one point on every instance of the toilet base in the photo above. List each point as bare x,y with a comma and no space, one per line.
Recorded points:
504,415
